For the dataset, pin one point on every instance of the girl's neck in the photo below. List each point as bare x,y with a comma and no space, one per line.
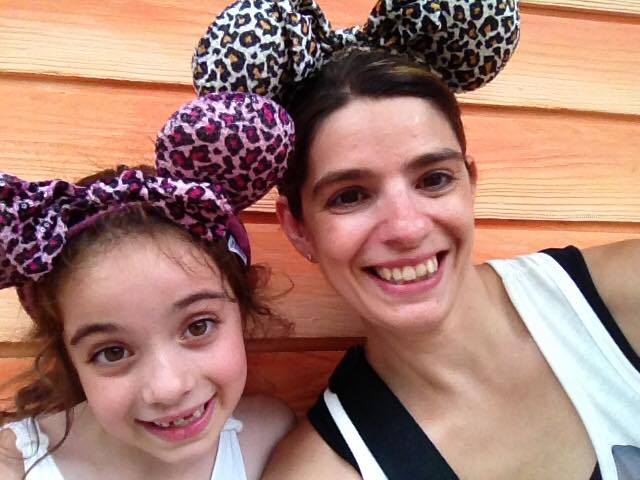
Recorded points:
89,446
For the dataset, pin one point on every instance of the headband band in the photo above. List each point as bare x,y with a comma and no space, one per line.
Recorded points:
215,156
266,46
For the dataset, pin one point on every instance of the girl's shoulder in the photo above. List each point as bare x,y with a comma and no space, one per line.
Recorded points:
304,454
11,463
265,420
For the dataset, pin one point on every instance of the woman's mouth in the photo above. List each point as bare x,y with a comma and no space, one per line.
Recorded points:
410,273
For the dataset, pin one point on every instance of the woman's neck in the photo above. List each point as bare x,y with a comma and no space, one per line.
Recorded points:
474,343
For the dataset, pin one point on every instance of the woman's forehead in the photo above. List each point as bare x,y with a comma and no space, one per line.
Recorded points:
367,131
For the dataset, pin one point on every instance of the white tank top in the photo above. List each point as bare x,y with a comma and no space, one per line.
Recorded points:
33,444
600,380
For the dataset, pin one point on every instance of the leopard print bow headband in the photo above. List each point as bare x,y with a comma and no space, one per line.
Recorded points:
265,46
215,156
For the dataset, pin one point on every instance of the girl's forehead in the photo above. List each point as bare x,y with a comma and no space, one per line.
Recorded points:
138,273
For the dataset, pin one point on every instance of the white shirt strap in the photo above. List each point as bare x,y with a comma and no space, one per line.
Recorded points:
369,468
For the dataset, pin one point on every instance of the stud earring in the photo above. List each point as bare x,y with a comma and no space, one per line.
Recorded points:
310,257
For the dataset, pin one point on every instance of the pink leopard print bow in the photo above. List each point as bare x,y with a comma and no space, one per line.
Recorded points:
215,156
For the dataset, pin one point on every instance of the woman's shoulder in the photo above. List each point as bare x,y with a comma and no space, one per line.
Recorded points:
304,454
265,420
11,464
615,270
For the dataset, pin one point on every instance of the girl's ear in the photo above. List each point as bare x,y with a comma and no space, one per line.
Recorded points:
294,229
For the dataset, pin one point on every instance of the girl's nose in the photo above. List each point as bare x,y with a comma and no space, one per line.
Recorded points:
167,380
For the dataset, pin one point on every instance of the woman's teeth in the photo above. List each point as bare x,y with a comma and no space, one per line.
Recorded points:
184,421
409,273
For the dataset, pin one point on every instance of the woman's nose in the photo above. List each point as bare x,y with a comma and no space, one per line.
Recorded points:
168,379
405,220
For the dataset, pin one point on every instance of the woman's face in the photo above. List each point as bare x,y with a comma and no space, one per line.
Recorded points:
388,210
158,345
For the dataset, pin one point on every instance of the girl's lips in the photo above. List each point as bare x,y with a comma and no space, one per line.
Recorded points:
181,433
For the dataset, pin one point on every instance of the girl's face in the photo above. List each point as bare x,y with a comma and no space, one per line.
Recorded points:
158,345
388,210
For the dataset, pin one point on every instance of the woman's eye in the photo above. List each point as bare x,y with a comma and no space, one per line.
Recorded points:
110,355
435,180
346,198
200,328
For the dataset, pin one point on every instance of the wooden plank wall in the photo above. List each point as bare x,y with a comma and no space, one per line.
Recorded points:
86,84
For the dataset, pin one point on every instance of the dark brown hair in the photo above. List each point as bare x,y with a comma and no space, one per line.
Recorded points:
353,75
52,385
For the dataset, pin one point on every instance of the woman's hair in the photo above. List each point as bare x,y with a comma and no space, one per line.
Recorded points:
355,75
53,385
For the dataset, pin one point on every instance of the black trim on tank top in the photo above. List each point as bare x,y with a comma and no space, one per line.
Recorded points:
395,440
572,261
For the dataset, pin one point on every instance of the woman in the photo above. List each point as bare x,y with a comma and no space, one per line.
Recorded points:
380,194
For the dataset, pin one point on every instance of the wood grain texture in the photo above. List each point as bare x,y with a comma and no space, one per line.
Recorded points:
152,41
624,7
534,165
313,306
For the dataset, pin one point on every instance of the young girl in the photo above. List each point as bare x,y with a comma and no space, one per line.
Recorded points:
140,285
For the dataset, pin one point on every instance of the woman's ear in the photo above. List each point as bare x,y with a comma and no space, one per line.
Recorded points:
294,229
470,162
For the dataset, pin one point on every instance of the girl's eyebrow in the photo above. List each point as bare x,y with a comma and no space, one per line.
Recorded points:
91,329
108,327
198,296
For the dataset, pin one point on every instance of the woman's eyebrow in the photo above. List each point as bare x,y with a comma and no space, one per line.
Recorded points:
352,174
348,174
198,296
92,329
432,157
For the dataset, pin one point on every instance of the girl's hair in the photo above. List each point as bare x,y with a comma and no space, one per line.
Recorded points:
358,74
52,385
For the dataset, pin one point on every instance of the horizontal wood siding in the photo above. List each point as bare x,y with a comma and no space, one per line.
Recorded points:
564,60
85,85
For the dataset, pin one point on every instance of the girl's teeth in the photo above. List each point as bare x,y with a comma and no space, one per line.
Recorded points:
181,422
409,273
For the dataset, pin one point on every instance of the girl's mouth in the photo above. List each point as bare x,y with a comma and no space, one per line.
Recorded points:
178,429
183,421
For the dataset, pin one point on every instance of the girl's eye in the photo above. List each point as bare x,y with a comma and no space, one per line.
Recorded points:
110,355
347,198
435,180
199,328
